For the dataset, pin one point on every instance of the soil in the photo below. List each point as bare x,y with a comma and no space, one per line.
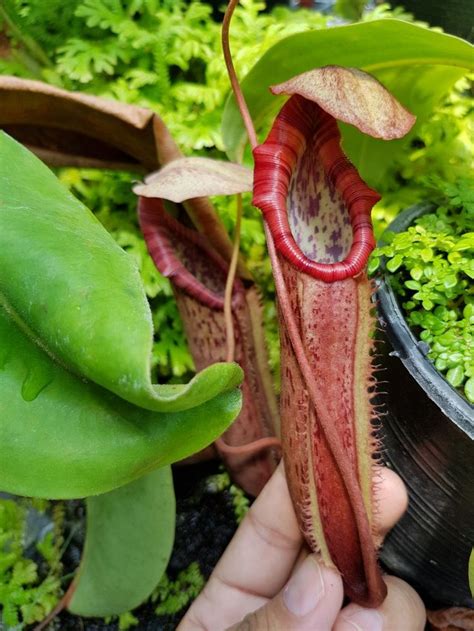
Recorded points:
205,523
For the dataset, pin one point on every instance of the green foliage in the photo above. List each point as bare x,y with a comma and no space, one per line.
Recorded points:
40,26
350,9
432,269
447,132
25,596
172,596
162,54
127,620
130,534
240,502
383,10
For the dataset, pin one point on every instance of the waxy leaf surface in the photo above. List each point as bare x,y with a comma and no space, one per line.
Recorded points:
61,437
76,293
130,534
417,65
78,411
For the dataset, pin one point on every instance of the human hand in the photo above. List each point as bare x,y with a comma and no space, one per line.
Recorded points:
268,581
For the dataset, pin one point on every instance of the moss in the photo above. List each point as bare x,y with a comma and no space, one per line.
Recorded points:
29,588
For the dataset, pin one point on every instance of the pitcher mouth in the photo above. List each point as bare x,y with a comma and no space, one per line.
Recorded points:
183,255
315,203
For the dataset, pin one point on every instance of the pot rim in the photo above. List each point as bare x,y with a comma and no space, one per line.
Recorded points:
413,352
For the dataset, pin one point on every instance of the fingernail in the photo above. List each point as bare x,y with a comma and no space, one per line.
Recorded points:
305,589
362,620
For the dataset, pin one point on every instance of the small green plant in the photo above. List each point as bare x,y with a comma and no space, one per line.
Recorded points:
432,268
27,594
125,620
172,596
240,502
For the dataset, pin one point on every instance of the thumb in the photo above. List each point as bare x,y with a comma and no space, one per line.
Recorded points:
311,600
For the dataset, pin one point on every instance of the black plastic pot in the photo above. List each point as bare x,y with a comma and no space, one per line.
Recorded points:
428,439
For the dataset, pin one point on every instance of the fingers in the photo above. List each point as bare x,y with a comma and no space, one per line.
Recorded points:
255,565
311,600
264,552
402,609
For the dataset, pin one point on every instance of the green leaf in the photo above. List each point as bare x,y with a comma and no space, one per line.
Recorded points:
77,294
469,391
394,264
130,534
413,284
77,406
455,376
426,254
374,264
416,273
418,73
466,242
79,439
450,281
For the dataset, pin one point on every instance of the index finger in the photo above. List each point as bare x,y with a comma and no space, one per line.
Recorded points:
255,565
261,555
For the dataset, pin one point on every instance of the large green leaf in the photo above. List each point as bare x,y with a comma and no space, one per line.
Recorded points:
61,437
130,534
77,294
416,64
77,407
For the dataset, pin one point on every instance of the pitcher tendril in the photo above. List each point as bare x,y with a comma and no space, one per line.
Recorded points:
239,97
229,285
